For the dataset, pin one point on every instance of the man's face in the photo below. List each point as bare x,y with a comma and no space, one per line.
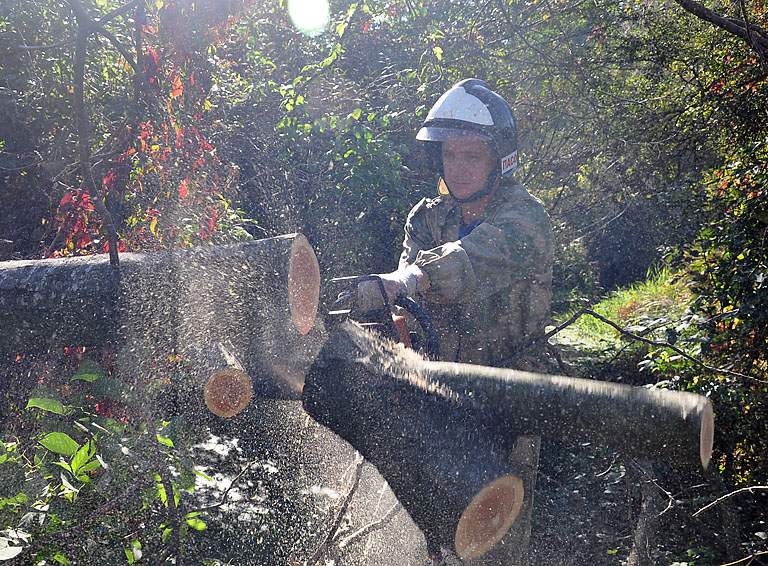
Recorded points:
467,162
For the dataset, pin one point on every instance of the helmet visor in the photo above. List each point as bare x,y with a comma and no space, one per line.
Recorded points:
442,133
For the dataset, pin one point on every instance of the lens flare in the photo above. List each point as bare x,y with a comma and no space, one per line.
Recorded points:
309,16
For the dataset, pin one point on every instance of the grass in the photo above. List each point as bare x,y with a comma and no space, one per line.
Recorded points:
662,297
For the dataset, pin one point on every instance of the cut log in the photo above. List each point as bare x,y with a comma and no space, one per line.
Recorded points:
260,297
647,424
438,431
442,465
229,389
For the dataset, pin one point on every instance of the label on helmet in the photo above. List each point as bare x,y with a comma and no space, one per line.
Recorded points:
509,163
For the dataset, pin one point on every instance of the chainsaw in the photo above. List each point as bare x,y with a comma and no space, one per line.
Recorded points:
385,320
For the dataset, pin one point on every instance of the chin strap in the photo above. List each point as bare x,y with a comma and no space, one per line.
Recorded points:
490,185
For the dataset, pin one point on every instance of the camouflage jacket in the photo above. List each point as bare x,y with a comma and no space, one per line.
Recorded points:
492,289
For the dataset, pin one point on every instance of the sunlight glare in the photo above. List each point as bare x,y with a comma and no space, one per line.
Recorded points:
309,16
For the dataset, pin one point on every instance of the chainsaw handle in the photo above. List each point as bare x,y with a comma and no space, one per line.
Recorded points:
407,303
433,341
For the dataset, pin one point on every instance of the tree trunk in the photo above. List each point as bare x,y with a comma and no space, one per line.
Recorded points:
258,298
439,431
672,426
6,249
460,490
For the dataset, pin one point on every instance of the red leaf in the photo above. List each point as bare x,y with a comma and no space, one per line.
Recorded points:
177,87
183,190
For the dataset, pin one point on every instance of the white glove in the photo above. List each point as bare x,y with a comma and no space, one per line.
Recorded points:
404,281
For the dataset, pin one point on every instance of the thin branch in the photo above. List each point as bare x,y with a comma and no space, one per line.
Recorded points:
83,127
65,43
119,11
624,332
751,489
747,559
323,548
664,344
750,38
224,496
371,527
117,45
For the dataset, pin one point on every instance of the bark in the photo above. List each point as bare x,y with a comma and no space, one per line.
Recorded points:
434,456
6,249
645,424
644,540
437,431
258,298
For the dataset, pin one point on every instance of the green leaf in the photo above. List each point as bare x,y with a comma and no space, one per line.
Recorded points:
88,371
64,465
60,443
356,113
438,51
202,475
59,558
164,440
45,404
167,533
15,501
83,456
197,524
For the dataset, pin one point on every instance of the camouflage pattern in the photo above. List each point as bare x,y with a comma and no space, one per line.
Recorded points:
491,290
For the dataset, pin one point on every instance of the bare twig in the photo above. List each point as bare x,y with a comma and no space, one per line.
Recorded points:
362,532
225,495
624,332
747,559
83,127
333,531
719,500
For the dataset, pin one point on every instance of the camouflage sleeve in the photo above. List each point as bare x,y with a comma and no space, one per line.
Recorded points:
506,248
417,236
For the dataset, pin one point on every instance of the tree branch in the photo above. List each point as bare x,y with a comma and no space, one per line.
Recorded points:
323,548
83,126
117,45
658,343
751,489
371,527
741,29
119,11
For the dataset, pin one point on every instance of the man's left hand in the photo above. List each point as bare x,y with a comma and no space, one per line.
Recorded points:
404,281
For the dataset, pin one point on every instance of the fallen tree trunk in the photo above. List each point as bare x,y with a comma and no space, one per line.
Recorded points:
6,249
437,430
258,297
446,472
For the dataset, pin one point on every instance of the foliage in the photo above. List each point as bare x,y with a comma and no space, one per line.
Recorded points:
642,128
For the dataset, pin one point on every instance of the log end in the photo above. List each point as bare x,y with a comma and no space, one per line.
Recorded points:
303,285
707,435
489,516
228,392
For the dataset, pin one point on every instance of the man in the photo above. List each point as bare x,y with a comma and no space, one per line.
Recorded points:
480,254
